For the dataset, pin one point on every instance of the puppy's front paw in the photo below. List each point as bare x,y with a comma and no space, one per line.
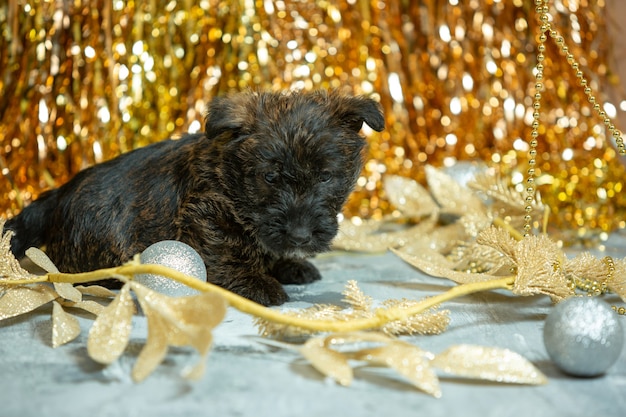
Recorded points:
295,271
262,289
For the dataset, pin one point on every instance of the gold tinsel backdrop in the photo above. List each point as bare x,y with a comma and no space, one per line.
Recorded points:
85,80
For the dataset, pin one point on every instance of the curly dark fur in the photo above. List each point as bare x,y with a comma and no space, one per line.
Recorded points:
254,195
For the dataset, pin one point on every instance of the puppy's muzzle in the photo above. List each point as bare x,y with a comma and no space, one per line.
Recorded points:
299,236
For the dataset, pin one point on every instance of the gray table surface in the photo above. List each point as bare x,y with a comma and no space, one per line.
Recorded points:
246,378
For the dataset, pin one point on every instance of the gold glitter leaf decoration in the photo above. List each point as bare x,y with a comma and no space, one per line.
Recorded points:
332,356
438,266
375,236
506,199
67,291
586,266
316,312
356,298
65,327
601,275
487,363
156,346
409,361
64,289
24,299
451,196
500,240
327,361
540,265
176,321
474,257
96,291
430,321
9,266
409,196
110,332
40,259
86,305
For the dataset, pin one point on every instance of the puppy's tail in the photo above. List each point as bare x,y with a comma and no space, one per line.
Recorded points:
31,225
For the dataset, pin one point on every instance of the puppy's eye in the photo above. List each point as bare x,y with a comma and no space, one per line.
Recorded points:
271,177
325,176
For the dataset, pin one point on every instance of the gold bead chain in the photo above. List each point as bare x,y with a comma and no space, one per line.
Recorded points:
610,266
543,13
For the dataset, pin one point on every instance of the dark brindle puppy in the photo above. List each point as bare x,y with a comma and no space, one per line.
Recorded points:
254,195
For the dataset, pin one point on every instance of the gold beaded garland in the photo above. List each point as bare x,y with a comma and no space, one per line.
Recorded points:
542,12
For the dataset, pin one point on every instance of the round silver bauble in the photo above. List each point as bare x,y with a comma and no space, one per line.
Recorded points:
583,336
175,255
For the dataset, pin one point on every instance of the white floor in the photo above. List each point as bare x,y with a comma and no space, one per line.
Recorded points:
247,378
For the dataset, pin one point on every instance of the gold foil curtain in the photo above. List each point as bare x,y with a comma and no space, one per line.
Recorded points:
82,81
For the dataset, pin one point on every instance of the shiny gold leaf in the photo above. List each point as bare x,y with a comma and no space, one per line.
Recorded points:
506,198
451,196
409,361
440,239
374,236
441,268
155,349
67,291
344,338
65,327
176,321
409,196
40,259
64,289
110,332
96,291
189,319
9,266
327,361
87,305
23,299
492,364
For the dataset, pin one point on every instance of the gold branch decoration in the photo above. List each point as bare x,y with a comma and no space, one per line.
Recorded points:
336,356
537,264
466,238
438,218
430,321
506,200
22,299
172,321
188,321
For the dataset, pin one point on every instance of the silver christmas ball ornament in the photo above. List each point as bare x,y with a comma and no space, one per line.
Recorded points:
583,336
175,255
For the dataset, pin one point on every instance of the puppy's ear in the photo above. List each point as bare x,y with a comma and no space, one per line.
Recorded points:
353,111
227,116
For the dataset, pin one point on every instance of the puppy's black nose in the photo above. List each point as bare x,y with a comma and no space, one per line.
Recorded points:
300,236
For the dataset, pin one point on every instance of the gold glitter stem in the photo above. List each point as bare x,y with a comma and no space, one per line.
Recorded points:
504,225
382,317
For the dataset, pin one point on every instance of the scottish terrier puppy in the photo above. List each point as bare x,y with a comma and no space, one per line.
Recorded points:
255,194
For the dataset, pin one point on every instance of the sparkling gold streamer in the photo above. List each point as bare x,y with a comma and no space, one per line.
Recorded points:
81,82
